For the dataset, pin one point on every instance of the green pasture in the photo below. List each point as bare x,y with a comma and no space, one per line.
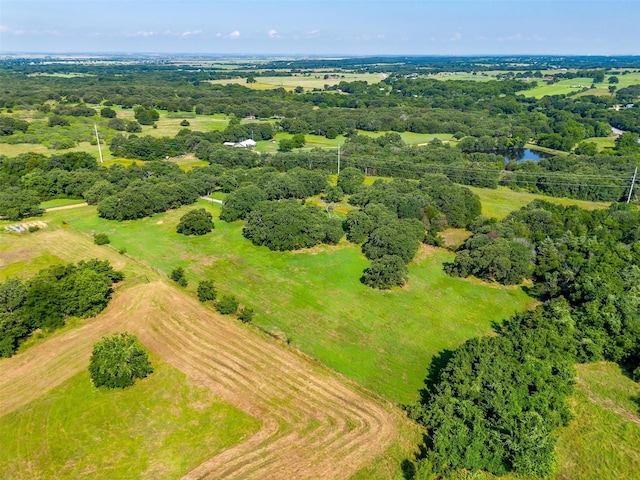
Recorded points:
160,428
500,202
320,141
188,162
24,265
413,138
603,143
564,87
383,340
12,150
603,439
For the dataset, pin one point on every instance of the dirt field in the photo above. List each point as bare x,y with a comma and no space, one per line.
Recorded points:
315,423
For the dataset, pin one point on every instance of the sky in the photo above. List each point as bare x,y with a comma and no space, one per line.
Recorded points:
329,27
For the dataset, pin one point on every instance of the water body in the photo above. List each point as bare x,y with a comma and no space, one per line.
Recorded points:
524,155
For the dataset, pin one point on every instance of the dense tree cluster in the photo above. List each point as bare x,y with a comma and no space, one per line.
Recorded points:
290,225
510,390
11,125
54,294
397,216
495,404
146,198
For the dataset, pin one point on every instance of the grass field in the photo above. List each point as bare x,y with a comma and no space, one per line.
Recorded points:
160,428
603,439
564,87
500,202
320,141
383,340
60,202
602,142
11,150
308,81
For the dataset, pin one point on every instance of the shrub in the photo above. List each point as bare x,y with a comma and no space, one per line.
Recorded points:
33,228
227,305
184,123
245,315
177,275
117,361
206,291
101,239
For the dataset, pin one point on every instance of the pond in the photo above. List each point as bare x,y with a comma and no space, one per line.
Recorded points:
525,154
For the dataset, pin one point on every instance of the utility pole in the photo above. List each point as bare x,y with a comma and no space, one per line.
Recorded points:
633,181
338,159
95,127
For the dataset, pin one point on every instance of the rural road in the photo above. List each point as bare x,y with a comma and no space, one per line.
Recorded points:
66,207
212,200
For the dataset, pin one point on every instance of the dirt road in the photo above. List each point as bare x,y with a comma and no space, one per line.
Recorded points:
316,424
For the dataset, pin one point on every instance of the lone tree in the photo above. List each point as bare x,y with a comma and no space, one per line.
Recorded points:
117,361
196,222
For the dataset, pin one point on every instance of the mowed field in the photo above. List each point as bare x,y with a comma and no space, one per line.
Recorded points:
500,202
308,422
603,439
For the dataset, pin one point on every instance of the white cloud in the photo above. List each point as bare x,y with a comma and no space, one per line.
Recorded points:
456,37
12,31
191,33
140,33
273,33
235,34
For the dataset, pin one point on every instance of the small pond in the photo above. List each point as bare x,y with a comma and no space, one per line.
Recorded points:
525,154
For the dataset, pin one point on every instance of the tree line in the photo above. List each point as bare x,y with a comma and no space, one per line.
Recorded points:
54,294
495,403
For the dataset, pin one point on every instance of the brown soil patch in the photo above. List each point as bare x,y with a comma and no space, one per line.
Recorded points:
316,424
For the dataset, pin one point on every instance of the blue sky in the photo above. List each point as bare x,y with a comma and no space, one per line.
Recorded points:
346,27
